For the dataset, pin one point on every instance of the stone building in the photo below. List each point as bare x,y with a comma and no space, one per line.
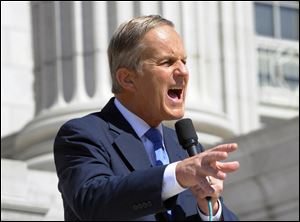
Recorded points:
243,59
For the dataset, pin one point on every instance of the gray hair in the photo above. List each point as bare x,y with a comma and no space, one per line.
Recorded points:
124,50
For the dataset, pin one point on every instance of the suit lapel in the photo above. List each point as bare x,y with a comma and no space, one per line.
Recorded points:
126,141
174,149
133,150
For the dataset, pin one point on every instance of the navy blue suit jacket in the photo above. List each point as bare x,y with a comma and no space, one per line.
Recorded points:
105,174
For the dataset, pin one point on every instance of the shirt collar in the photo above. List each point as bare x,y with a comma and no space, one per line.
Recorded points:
138,124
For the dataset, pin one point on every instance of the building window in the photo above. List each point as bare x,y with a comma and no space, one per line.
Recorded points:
264,19
277,19
289,23
277,44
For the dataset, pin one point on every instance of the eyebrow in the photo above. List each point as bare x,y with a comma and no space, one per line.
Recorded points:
170,57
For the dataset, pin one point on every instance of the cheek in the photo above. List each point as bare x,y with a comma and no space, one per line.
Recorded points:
153,84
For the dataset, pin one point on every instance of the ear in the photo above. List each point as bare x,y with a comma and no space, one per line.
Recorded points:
125,78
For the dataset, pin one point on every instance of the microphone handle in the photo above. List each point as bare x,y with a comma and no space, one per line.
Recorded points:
192,151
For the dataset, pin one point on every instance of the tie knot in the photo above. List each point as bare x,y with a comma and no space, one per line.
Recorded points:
154,136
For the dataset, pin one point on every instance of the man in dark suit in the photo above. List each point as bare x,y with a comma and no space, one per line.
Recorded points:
108,165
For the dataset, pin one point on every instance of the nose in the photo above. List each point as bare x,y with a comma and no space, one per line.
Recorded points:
181,69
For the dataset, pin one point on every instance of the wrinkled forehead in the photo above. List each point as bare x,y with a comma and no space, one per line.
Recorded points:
163,40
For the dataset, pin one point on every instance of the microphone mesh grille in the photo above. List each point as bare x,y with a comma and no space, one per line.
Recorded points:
185,131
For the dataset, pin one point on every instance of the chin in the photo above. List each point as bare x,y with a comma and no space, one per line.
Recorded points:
173,111
173,115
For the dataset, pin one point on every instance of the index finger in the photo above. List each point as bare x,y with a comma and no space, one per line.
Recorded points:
213,156
228,148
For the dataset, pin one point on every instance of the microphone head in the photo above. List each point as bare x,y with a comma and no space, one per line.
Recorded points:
186,133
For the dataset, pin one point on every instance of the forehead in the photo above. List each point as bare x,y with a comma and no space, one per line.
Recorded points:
163,40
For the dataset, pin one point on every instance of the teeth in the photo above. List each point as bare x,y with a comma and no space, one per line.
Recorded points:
175,88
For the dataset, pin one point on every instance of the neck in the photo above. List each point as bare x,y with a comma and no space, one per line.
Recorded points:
134,108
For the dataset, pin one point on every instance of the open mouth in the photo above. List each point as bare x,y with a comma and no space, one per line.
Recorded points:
175,93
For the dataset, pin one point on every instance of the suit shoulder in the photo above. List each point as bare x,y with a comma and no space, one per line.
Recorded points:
169,130
90,122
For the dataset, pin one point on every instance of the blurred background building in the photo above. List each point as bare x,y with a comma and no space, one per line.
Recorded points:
243,58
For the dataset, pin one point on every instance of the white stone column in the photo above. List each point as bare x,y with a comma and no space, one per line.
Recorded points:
172,10
17,98
205,98
192,46
239,66
228,62
100,33
45,58
124,11
59,100
149,7
80,94
61,73
247,70
211,49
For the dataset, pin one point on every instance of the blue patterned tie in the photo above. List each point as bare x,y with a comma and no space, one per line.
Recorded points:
161,157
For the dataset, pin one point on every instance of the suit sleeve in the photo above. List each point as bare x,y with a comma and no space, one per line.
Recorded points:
227,214
91,189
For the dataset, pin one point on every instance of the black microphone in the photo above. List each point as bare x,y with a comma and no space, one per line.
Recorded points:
187,136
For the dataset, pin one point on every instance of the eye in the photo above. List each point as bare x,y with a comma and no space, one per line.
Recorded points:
166,63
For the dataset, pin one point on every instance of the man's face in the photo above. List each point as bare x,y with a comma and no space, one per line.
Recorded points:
162,81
